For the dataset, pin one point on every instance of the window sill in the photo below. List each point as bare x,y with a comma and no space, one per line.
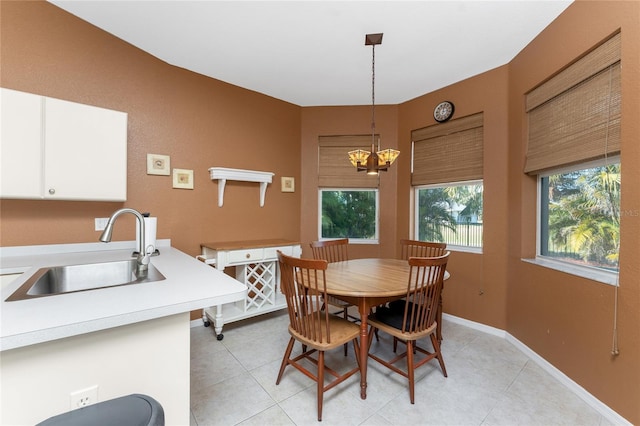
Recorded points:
362,241
605,277
465,249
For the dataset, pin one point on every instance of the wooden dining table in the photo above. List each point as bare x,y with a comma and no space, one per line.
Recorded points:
367,283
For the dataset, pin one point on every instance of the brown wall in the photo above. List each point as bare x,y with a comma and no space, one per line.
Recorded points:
202,123
477,289
198,121
566,319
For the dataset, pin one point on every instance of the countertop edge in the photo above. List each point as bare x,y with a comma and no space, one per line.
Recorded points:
189,285
55,333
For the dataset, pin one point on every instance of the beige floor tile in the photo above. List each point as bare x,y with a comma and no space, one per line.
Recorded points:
273,416
490,382
230,402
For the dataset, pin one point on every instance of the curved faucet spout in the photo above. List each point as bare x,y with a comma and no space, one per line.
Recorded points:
143,256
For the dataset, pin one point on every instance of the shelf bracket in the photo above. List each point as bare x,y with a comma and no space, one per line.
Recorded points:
222,174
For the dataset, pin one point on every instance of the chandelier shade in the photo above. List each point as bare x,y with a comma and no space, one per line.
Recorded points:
373,161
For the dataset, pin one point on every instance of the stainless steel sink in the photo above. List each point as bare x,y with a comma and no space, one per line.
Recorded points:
55,280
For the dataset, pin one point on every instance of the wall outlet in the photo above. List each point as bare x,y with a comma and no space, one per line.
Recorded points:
101,223
83,397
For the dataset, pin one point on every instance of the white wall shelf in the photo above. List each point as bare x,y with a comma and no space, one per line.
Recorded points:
222,174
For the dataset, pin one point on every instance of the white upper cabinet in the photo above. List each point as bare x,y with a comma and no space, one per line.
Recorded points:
20,144
85,152
59,150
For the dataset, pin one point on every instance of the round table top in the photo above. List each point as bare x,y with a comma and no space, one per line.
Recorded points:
368,277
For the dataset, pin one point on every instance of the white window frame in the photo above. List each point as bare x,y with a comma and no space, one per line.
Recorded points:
416,207
351,240
589,272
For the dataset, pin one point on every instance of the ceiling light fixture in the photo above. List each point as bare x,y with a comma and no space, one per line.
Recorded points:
373,161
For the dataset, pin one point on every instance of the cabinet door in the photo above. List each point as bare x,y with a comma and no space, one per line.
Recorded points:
20,144
85,152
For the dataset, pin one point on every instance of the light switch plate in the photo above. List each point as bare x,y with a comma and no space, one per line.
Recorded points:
101,223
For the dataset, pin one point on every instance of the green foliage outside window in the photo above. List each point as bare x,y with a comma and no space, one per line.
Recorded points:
349,214
450,214
581,216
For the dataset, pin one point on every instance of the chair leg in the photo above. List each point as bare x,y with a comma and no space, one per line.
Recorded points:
439,320
320,383
371,328
346,316
410,370
285,359
436,350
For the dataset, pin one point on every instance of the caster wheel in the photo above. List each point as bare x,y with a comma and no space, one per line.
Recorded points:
220,336
207,323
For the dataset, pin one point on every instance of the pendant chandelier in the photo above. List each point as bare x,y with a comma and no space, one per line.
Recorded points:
373,161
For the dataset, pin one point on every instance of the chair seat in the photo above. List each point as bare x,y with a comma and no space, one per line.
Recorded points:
342,331
397,306
390,321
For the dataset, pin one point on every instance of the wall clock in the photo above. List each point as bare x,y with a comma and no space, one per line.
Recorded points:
443,111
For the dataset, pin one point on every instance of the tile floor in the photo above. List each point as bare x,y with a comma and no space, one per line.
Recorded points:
490,383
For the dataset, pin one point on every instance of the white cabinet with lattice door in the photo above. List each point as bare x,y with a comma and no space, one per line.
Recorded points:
256,264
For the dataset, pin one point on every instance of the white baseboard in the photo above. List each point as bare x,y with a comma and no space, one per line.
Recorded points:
581,392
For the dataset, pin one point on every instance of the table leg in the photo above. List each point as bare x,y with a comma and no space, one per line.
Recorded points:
364,348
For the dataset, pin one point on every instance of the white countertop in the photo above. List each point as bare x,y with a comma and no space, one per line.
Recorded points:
189,285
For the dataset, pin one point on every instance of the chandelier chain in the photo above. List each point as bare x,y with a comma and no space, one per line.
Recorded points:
373,94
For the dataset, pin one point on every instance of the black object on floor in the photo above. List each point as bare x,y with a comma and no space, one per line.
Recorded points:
131,410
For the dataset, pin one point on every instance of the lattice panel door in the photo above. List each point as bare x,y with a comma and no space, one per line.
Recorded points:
261,282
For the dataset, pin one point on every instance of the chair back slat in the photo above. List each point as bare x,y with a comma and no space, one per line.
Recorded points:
426,277
415,248
331,250
302,281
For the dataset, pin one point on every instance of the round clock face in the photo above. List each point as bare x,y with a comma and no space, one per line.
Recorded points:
443,111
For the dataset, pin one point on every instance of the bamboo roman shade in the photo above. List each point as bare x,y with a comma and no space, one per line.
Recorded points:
575,116
449,152
335,169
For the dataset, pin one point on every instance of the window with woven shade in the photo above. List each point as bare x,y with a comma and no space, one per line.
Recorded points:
449,152
334,168
447,177
348,204
575,115
573,147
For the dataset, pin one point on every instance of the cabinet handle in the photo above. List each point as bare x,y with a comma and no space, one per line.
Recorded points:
52,191
248,256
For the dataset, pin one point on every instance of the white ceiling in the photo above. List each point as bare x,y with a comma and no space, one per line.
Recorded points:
312,53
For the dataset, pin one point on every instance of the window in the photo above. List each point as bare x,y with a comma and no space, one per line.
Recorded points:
573,148
349,213
449,213
348,200
447,172
580,215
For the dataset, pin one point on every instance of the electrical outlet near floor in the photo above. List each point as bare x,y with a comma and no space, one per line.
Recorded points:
83,397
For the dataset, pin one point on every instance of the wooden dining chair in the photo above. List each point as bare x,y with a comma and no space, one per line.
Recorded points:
304,287
415,248
416,320
334,251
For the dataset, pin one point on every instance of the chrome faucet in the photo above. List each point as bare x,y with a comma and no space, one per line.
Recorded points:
142,255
